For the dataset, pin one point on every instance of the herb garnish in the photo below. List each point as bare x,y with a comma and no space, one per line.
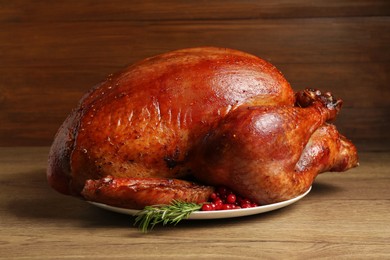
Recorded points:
165,214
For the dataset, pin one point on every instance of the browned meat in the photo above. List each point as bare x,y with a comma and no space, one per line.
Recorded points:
136,193
271,154
213,113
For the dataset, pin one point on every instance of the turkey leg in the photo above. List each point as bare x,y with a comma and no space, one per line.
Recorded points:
271,154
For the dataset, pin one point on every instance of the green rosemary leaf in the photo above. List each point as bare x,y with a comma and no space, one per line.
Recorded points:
165,214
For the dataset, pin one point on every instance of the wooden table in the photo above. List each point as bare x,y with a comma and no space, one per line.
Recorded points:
345,216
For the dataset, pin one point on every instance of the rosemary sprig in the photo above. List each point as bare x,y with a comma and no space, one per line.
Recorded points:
165,214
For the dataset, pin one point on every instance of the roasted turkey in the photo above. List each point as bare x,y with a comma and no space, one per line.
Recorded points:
178,124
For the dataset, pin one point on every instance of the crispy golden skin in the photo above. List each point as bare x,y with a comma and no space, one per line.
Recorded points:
271,154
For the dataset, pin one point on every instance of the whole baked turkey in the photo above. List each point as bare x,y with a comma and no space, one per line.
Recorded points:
178,124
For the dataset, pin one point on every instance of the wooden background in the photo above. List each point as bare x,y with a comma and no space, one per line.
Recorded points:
51,52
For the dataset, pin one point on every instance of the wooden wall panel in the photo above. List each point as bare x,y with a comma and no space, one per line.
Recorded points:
51,52
152,10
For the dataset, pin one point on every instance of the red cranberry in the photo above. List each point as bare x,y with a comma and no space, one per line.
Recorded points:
231,198
222,191
245,201
227,206
207,207
218,204
246,205
224,199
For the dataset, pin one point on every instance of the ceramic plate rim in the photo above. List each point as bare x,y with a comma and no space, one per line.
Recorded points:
215,214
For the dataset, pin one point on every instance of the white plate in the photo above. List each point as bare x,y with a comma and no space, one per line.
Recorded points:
217,213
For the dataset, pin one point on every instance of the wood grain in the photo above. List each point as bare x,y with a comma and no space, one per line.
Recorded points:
345,216
53,52
74,10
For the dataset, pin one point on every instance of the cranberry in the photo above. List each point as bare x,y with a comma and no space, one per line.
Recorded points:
245,201
207,207
227,206
225,199
218,200
218,204
222,191
231,198
246,205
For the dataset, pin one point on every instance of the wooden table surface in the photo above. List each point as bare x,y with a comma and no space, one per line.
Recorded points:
345,216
